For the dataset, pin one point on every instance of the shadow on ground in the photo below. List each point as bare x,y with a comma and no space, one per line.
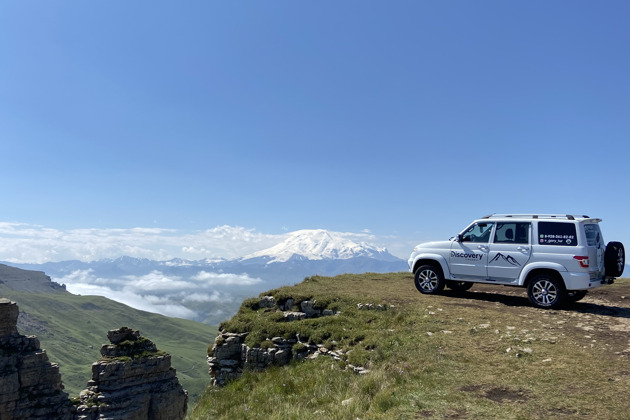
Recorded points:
516,299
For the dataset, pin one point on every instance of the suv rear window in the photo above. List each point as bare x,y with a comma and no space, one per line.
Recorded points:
593,234
554,233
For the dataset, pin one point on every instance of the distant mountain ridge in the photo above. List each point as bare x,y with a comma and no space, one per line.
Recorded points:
211,290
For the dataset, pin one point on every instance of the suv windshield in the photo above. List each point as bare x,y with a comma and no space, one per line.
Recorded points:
479,232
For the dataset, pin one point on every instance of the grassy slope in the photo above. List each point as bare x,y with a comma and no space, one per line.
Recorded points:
73,328
475,356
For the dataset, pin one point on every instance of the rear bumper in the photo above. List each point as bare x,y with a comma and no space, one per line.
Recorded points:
583,281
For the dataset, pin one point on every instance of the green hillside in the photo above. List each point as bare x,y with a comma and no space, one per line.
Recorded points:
483,354
73,328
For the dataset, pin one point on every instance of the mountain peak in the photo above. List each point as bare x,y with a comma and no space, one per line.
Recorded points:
319,244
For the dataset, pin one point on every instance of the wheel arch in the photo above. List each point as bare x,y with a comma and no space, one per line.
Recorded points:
435,260
548,271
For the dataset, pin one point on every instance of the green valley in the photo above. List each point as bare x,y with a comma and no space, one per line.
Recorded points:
73,328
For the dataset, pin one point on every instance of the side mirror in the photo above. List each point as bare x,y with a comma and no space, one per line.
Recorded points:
459,238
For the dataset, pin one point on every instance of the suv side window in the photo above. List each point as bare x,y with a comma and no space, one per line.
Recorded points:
555,233
512,233
479,232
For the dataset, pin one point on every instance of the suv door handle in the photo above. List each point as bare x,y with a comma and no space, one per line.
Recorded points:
483,247
523,248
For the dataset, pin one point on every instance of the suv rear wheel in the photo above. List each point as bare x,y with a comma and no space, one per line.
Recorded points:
429,280
546,291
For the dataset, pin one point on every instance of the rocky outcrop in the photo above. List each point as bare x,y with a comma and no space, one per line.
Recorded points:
230,356
30,386
133,380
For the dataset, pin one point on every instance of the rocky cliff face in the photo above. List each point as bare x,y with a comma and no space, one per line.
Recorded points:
230,356
30,386
133,380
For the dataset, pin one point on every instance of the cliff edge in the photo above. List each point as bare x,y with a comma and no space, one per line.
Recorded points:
30,386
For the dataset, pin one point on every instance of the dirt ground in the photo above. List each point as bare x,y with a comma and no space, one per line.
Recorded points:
600,320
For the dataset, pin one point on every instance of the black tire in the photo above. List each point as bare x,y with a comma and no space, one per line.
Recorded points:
546,291
576,295
429,279
459,286
614,259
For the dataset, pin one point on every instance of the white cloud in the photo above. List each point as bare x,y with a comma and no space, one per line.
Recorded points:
226,279
158,282
205,297
24,243
149,303
155,291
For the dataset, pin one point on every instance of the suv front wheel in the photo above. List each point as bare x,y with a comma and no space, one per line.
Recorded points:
429,280
546,291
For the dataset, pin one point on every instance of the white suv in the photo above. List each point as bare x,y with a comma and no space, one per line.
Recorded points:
556,257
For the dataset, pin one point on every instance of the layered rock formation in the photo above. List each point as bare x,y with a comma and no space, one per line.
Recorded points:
30,386
132,381
230,356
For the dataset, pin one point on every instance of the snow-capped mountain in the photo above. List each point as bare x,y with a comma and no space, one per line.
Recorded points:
319,244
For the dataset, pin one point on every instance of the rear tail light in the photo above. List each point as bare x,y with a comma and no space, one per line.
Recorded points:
582,260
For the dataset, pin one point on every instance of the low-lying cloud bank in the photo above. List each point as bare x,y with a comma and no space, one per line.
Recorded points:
160,293
24,243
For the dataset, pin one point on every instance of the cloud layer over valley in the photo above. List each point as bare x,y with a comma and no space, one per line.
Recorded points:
170,295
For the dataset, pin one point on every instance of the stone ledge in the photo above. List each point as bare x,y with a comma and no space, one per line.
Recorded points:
230,356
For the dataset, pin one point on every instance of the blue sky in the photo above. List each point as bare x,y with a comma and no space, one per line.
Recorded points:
404,119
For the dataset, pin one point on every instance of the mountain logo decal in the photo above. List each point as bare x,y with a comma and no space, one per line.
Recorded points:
509,259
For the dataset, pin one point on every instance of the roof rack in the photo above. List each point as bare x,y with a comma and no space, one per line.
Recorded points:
537,216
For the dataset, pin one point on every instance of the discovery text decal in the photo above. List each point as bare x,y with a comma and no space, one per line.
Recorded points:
471,256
